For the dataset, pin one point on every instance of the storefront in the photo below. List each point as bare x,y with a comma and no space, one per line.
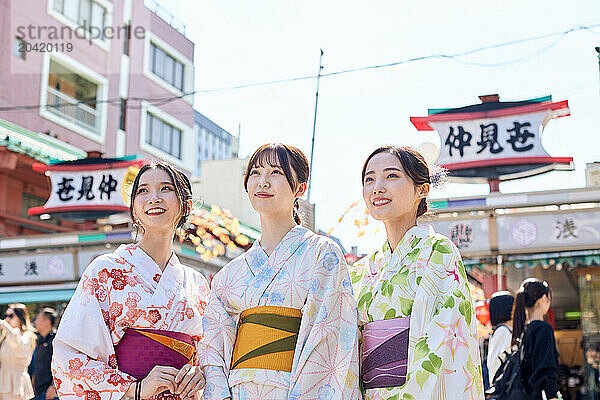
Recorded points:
553,236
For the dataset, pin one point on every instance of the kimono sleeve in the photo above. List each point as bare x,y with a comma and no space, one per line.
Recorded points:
219,333
327,363
84,362
446,356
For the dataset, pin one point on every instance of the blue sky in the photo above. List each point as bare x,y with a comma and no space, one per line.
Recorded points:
239,42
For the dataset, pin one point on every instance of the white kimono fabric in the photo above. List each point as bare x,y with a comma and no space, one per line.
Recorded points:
424,278
120,290
308,272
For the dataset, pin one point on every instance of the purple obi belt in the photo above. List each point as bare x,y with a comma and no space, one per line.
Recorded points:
385,353
140,350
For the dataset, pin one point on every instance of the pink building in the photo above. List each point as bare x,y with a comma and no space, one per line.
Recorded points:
100,75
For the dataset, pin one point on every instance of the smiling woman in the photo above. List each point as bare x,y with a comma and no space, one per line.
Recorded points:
281,321
414,303
134,325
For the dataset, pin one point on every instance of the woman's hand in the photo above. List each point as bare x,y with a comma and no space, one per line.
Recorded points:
189,381
161,378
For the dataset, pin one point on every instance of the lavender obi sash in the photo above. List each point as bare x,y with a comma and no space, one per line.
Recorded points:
385,353
140,350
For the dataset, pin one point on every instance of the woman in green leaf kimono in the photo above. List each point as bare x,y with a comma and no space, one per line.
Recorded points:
419,339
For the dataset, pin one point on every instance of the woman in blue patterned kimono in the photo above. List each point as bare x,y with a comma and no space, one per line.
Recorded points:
414,305
281,320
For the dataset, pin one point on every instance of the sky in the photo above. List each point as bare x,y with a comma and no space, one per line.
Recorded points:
239,42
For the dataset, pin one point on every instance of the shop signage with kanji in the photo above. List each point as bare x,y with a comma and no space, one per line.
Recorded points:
559,230
36,267
87,186
497,140
469,235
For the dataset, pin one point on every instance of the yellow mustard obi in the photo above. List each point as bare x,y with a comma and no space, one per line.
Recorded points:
266,338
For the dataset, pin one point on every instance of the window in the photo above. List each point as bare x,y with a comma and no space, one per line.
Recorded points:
166,67
86,13
72,97
20,48
163,136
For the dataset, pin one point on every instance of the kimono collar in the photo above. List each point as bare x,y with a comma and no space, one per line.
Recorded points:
409,241
143,263
257,258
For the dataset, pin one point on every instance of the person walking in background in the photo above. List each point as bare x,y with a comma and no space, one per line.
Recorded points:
501,305
41,375
540,357
15,354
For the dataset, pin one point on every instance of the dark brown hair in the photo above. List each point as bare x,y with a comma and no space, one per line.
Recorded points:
531,290
21,312
413,164
49,313
183,188
290,159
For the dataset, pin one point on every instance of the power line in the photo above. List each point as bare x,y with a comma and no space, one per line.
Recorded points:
455,57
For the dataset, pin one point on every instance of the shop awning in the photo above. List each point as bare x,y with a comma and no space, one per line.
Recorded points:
41,147
39,294
36,296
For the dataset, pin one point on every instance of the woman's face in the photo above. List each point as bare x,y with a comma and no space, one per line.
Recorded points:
269,190
156,205
388,192
12,318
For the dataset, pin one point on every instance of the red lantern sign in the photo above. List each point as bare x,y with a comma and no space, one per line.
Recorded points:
482,312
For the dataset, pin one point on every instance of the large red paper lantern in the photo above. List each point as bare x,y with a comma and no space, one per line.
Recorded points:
482,312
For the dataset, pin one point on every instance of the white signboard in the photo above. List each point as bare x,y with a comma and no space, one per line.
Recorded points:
29,268
558,230
493,138
86,188
85,257
469,235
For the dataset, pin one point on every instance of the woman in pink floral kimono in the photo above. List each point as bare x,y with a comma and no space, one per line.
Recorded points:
134,325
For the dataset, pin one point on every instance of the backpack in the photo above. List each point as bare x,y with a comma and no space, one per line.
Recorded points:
508,382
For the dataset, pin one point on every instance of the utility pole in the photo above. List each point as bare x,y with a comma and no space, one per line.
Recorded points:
312,146
598,51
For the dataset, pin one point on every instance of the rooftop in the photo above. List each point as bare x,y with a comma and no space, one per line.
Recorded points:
165,15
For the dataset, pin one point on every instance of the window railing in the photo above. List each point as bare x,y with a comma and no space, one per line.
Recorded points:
72,110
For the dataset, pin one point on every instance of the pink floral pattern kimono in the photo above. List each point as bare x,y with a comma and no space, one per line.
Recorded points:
120,290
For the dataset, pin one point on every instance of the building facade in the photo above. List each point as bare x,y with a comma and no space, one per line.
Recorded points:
551,235
222,183
214,142
109,76
84,77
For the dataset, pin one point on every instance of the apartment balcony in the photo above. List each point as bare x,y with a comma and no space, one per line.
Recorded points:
72,110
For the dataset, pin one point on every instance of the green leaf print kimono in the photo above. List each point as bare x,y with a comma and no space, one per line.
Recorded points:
424,278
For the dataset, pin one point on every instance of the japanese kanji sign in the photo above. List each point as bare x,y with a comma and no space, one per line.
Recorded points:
499,141
87,187
36,267
558,230
469,235
497,138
